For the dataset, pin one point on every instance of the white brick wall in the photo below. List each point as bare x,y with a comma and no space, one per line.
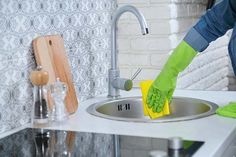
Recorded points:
168,21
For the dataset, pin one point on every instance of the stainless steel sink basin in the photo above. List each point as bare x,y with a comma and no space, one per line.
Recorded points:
131,109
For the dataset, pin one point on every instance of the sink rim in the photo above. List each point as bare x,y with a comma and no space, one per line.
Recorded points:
92,109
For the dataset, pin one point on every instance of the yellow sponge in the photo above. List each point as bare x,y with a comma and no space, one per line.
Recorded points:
148,111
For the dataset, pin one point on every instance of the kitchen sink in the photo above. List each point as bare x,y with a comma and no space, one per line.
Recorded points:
131,109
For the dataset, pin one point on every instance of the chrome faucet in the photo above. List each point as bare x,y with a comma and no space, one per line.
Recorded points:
115,82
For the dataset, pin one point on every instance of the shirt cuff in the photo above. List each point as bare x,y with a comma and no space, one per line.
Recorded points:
196,40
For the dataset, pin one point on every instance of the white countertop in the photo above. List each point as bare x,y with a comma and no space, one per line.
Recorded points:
217,132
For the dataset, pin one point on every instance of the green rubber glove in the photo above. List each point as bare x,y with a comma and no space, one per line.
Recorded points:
164,85
228,110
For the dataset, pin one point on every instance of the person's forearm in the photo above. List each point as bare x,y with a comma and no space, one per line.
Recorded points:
212,25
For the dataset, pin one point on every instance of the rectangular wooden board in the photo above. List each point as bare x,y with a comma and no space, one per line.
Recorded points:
51,55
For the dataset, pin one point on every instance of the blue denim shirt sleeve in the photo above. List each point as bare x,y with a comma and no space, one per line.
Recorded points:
232,49
212,25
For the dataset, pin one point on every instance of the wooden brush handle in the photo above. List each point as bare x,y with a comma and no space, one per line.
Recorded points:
70,140
39,77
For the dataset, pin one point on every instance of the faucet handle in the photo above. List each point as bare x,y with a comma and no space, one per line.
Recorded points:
136,73
122,83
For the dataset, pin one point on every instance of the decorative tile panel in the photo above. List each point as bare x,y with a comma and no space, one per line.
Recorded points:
85,28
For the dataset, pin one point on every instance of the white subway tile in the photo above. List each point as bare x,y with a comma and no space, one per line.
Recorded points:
151,44
161,11
160,27
125,72
123,43
125,17
127,28
181,25
159,60
134,59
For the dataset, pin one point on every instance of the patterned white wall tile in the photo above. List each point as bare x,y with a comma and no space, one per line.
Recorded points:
85,28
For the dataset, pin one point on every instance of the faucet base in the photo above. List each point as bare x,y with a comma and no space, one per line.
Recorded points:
116,83
112,91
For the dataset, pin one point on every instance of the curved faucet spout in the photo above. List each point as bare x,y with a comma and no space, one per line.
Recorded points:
115,82
136,12
115,18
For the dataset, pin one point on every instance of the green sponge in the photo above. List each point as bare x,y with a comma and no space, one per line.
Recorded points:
228,110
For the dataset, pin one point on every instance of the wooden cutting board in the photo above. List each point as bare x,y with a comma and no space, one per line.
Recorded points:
51,55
